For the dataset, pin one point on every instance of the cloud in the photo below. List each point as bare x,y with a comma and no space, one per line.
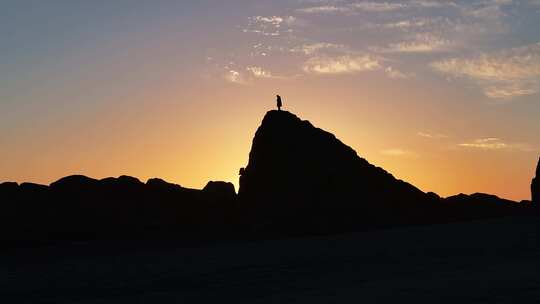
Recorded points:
488,9
366,6
396,74
488,12
405,24
235,77
262,32
247,75
432,136
396,152
433,4
270,25
485,143
275,21
432,25
511,90
494,143
323,9
506,74
513,64
371,6
341,64
309,49
421,43
259,72
378,6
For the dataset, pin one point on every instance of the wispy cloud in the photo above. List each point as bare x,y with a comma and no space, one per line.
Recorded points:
397,74
397,152
494,143
431,135
405,24
415,24
511,90
393,33
249,74
491,143
235,77
366,6
371,6
273,21
341,64
433,4
505,74
487,9
420,43
269,25
309,49
323,9
377,6
259,72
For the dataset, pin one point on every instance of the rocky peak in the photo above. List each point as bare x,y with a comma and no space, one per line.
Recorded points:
221,190
296,169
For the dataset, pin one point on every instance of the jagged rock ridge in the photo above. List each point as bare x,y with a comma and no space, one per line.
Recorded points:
535,185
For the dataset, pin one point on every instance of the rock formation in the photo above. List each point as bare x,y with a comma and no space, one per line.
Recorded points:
220,190
535,185
301,175
79,207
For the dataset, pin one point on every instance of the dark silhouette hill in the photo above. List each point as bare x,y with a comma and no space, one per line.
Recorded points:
298,172
300,180
535,186
81,208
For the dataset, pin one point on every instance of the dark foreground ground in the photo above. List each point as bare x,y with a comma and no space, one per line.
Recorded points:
493,261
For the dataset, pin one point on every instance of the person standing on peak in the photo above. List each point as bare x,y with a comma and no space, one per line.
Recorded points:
279,104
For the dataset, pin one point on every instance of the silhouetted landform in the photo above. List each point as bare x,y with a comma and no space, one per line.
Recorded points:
300,180
535,186
81,208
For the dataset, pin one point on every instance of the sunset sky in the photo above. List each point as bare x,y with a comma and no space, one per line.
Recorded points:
442,94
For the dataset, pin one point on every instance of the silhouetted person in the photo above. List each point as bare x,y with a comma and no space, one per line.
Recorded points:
279,104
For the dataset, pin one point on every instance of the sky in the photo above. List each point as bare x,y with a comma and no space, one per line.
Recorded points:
442,94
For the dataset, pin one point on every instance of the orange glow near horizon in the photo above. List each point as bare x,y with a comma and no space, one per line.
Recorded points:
211,141
157,91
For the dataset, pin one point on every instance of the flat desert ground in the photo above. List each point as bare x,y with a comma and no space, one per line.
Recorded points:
488,261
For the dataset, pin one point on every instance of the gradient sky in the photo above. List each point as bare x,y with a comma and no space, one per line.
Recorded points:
442,94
